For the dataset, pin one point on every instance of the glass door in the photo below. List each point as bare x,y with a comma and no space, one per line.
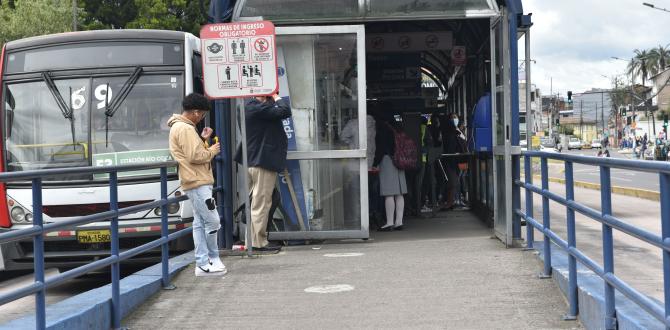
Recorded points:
324,192
502,159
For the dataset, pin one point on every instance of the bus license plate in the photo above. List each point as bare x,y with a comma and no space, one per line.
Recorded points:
94,236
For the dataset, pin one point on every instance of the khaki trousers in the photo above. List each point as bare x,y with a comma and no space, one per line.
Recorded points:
261,184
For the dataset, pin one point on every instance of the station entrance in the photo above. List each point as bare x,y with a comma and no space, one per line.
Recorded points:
343,64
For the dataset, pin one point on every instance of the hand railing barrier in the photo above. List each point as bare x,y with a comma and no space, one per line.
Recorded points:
39,228
608,221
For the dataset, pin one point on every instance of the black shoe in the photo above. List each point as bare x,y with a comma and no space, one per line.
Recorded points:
398,227
385,228
269,247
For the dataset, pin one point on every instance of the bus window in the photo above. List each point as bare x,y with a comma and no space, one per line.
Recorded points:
197,74
41,137
139,125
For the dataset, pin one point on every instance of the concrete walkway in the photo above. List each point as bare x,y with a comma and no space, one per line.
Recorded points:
440,273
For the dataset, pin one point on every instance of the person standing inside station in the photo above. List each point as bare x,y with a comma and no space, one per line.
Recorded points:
392,182
267,146
453,144
195,174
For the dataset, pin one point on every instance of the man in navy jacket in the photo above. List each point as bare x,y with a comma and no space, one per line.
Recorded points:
266,156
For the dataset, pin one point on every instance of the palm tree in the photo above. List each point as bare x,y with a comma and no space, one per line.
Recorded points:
661,57
642,64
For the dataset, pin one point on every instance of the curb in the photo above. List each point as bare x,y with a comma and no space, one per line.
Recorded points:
626,191
93,309
590,296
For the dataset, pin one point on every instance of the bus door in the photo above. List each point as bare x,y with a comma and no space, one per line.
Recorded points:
324,191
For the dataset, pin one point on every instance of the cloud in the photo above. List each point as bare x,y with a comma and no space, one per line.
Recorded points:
573,40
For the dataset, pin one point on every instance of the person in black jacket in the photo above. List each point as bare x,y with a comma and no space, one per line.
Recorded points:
454,143
266,156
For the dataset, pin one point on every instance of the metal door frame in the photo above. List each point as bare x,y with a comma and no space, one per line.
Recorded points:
504,150
360,153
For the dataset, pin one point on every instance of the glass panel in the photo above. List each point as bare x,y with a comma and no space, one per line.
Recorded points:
137,132
500,85
300,9
323,87
331,196
37,133
501,207
413,7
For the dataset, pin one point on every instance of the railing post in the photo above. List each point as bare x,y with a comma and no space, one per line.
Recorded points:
546,223
38,257
116,269
516,198
665,228
165,253
608,246
572,243
530,230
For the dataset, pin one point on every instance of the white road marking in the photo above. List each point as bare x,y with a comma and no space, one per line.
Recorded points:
330,288
343,255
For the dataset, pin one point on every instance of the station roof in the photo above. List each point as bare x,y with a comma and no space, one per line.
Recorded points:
312,11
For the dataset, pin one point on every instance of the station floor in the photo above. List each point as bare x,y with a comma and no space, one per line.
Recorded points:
444,272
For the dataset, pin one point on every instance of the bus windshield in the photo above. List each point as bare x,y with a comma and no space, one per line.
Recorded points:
38,136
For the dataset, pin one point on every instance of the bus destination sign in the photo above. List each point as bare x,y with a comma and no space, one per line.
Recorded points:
239,59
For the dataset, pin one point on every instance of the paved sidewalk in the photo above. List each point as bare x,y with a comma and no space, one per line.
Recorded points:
444,273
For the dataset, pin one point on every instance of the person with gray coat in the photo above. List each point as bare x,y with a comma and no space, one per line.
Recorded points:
392,182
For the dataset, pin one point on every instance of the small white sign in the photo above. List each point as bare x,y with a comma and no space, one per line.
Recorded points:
239,59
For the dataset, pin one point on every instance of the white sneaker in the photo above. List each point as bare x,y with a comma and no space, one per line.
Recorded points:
207,270
217,265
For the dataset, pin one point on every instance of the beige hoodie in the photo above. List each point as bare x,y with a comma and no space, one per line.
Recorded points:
188,149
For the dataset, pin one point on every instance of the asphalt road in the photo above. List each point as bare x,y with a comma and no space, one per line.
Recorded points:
621,178
25,306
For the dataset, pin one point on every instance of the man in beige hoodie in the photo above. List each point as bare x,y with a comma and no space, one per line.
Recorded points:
194,156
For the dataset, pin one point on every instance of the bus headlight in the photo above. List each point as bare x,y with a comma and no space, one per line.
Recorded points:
173,208
18,214
29,217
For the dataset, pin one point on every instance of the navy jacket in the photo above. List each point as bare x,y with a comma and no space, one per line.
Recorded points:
266,140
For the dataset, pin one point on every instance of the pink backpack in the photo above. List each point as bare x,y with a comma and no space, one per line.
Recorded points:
405,156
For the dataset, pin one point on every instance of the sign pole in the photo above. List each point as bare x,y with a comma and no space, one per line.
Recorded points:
239,60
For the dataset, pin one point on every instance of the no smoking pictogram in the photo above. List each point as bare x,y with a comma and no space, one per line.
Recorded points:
261,45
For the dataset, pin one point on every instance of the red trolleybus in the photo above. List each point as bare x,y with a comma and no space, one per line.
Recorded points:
91,98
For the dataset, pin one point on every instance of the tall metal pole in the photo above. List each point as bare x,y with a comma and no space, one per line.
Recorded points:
224,166
74,15
529,112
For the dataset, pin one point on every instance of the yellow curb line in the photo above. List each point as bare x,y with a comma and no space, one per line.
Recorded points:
626,191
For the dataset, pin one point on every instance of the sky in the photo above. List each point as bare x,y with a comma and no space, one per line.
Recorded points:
572,41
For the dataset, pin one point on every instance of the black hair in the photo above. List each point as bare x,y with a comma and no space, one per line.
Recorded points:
195,101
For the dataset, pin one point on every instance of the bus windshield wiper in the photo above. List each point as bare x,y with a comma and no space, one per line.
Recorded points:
110,108
64,108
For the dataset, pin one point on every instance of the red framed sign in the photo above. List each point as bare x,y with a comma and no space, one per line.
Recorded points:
239,59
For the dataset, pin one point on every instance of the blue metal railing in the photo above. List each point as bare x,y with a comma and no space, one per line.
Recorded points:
608,221
36,232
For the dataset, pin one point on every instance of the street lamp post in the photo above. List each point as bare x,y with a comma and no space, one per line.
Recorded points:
654,7
632,95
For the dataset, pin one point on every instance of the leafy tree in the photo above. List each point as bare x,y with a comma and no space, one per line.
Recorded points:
660,57
107,14
180,15
642,65
30,18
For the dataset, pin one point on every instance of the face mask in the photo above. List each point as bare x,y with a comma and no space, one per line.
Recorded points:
455,120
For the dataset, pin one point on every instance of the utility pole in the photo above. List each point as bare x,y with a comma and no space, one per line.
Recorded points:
581,119
74,15
596,104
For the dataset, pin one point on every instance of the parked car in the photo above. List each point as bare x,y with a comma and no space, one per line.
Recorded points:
586,145
596,144
547,142
574,143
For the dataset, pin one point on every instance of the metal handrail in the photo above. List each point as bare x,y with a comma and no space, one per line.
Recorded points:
39,286
608,221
